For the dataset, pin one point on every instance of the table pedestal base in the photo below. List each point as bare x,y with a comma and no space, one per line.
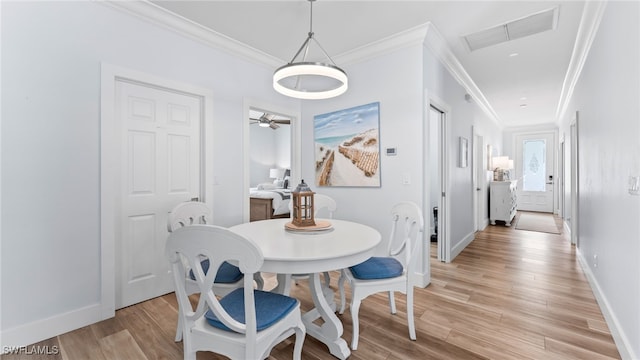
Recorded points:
330,331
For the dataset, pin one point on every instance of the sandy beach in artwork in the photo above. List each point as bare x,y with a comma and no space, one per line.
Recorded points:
354,162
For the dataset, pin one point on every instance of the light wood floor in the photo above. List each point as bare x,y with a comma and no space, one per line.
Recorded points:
511,294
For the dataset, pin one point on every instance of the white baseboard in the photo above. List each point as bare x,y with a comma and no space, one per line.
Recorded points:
619,337
39,330
456,250
422,280
484,224
566,228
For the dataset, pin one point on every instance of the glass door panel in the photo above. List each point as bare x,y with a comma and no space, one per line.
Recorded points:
534,165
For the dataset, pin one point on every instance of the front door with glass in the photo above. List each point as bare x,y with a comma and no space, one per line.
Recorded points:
535,154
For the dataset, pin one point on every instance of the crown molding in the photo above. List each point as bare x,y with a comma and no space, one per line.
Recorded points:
152,13
425,34
436,43
409,37
589,23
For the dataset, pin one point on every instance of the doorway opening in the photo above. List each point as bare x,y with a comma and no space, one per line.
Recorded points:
269,164
436,205
271,159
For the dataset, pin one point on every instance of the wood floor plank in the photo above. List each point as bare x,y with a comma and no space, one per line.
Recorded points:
156,343
511,294
81,344
569,351
480,347
121,345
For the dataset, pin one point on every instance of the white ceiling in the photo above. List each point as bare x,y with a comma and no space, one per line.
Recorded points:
533,77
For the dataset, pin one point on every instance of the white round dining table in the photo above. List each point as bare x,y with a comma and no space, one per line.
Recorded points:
287,252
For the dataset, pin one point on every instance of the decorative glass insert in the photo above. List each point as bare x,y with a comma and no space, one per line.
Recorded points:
534,165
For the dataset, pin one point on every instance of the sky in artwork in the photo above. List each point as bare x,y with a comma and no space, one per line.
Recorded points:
348,122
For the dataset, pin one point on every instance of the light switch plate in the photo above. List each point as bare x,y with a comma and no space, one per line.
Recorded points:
406,179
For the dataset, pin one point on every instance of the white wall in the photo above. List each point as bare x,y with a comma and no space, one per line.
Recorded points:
283,147
268,149
395,81
606,97
51,56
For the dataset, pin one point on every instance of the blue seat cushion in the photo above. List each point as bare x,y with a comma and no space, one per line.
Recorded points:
377,268
270,307
227,273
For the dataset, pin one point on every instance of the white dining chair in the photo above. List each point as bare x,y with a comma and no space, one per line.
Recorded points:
228,277
243,324
323,205
390,273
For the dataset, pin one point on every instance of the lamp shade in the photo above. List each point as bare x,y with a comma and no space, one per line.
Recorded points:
501,162
274,173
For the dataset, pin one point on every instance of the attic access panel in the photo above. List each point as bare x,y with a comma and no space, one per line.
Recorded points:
516,29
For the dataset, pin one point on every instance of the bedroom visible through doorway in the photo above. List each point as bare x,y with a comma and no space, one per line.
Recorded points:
269,164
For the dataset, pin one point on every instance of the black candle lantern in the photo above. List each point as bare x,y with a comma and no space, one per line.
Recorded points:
303,208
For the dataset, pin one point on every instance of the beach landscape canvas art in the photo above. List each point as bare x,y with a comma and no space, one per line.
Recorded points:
347,147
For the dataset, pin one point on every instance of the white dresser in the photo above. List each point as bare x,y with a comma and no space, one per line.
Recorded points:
502,201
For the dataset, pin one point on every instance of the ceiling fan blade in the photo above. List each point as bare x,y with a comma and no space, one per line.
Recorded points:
283,121
273,125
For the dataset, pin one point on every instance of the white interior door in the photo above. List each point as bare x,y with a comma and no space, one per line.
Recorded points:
160,160
535,155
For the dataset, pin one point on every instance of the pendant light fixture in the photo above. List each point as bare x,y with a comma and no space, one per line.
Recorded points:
310,80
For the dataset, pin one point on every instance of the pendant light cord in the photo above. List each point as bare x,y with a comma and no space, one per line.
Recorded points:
310,36
311,18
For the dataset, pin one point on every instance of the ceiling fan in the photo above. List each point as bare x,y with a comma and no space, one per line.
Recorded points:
269,120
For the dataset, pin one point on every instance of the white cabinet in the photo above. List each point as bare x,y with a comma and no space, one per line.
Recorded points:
502,201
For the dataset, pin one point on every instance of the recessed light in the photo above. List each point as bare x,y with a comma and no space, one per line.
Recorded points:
513,54
523,98
523,105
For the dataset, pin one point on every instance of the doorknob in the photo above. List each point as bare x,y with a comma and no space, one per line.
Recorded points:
478,189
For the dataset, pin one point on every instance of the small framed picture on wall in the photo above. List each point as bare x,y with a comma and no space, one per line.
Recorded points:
464,152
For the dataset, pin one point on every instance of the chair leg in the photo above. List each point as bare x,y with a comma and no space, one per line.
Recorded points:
297,347
355,308
189,354
410,320
179,330
343,300
392,302
259,280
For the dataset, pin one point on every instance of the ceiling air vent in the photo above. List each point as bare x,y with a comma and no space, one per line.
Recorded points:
528,25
